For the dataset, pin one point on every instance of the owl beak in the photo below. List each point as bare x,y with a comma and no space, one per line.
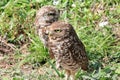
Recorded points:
48,30
50,33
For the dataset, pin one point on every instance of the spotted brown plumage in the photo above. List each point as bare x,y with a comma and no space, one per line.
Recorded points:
68,49
45,16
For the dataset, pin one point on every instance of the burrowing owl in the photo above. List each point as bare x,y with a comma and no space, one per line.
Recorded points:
44,17
68,50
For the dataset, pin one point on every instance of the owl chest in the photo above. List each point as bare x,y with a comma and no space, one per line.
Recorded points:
61,52
57,50
43,36
64,56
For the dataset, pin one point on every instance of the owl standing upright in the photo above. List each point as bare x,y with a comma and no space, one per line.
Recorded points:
68,49
45,16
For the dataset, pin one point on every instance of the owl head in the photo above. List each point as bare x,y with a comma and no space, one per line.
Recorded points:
59,30
46,15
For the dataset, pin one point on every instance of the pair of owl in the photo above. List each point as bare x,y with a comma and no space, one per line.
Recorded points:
61,40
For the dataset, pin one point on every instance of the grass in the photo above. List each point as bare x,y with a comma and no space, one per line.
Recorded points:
103,48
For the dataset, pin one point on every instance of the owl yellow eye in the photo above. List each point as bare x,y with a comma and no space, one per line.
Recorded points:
58,30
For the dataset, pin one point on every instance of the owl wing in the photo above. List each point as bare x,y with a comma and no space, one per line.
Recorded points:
78,52
80,55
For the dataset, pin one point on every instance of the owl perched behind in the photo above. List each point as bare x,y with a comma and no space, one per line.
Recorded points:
44,17
68,50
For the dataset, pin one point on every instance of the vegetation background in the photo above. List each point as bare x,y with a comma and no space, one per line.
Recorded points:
23,56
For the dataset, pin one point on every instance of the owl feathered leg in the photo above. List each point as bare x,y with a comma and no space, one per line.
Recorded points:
72,76
67,74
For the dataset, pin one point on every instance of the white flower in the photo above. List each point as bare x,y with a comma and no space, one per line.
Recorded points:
56,2
102,24
73,5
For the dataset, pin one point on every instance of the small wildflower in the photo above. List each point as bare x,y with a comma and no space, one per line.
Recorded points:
56,2
73,5
102,24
